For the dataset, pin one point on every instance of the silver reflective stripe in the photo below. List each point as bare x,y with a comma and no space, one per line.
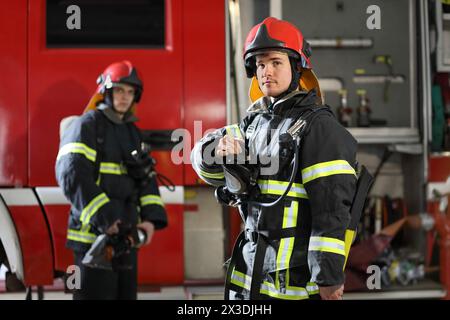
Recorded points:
112,168
327,244
284,253
151,199
290,215
312,288
93,207
77,147
286,244
217,175
291,293
240,279
81,236
325,169
278,187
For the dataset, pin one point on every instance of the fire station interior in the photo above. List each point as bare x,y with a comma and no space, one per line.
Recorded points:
384,69
400,78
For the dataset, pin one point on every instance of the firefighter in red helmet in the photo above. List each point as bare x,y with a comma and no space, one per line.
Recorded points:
289,167
103,172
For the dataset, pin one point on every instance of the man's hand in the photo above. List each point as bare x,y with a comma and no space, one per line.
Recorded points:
149,229
332,292
229,145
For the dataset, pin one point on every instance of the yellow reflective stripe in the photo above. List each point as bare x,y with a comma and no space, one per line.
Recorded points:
292,293
112,168
275,187
77,147
312,288
349,237
325,169
327,245
218,175
93,207
285,252
283,258
234,131
290,215
286,244
151,199
81,236
240,279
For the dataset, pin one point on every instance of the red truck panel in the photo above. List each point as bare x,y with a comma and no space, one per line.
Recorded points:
61,81
13,99
159,263
204,70
185,81
162,262
57,217
35,243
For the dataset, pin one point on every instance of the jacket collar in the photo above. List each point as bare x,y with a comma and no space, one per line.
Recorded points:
112,116
295,99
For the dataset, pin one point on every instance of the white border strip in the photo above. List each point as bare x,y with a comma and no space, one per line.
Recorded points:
19,197
54,195
51,195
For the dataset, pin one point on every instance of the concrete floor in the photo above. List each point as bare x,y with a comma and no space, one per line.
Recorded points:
165,293
425,289
216,293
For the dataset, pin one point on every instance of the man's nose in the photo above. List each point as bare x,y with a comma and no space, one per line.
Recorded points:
267,71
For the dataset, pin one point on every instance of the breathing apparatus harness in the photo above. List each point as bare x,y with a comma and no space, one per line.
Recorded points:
241,181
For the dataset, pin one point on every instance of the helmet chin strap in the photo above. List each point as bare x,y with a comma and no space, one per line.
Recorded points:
296,74
109,98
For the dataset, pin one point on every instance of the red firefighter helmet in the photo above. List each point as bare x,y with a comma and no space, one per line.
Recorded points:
120,72
117,72
280,35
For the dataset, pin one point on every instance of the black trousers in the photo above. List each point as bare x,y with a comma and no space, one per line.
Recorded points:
100,284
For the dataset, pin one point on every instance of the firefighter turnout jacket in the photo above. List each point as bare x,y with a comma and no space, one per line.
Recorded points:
102,191
286,251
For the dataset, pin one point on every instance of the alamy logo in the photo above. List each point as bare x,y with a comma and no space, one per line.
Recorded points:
73,280
74,20
373,22
374,280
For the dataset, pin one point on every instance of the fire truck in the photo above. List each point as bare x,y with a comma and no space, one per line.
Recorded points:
49,68
51,53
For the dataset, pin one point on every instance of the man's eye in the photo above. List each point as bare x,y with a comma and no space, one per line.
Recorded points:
260,66
276,63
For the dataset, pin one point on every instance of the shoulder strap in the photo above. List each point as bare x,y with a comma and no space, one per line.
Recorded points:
314,114
100,140
136,133
305,119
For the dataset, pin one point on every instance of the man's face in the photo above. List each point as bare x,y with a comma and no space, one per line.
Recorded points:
123,97
273,71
